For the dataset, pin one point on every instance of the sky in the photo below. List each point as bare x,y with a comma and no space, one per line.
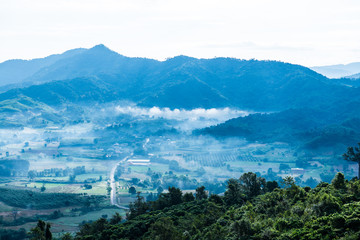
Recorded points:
306,32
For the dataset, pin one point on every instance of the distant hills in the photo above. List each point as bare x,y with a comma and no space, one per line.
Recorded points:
101,75
351,70
19,71
331,128
303,107
355,76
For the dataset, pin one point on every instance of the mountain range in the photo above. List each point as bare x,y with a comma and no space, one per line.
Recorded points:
299,105
99,74
351,70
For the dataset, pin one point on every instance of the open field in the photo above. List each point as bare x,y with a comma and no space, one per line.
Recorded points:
66,223
70,161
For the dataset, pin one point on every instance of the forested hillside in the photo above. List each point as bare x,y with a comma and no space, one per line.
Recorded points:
99,74
332,127
251,208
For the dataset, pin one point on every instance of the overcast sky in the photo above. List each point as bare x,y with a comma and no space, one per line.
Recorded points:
307,32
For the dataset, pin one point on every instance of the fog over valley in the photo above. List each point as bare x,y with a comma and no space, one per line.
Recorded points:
110,138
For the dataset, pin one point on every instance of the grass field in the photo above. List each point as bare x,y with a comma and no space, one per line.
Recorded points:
98,188
71,224
91,216
5,208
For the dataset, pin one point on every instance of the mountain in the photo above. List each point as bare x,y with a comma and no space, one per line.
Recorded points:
92,62
99,74
332,128
19,71
69,65
354,76
338,71
23,111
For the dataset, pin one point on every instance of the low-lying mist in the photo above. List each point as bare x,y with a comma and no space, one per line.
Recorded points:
187,119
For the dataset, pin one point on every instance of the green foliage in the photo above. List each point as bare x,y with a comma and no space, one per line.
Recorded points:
37,200
339,181
132,190
233,194
252,185
41,231
248,210
138,207
219,82
115,219
188,197
316,129
7,234
201,193
66,236
163,229
353,154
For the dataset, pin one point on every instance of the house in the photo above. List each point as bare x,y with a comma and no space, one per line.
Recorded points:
139,162
299,171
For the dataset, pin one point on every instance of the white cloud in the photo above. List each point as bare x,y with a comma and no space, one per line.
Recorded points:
221,114
187,119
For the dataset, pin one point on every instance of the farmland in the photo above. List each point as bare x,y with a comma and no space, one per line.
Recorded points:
77,159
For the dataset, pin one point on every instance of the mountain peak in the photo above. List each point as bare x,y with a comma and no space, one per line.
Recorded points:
100,46
101,49
180,59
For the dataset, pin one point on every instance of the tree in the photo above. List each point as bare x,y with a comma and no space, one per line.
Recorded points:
353,154
66,236
116,218
188,197
164,229
339,181
233,193
288,181
31,174
132,190
175,195
201,193
108,189
271,185
138,207
48,234
41,231
251,184
216,199
15,213
135,181
72,178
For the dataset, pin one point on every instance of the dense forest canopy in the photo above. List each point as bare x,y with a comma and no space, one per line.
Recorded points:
251,208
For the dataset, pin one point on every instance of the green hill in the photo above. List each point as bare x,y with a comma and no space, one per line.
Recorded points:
184,82
251,208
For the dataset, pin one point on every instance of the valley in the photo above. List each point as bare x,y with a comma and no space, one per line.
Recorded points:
107,157
118,129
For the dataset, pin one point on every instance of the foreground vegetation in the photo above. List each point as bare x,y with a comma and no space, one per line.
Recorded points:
251,208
